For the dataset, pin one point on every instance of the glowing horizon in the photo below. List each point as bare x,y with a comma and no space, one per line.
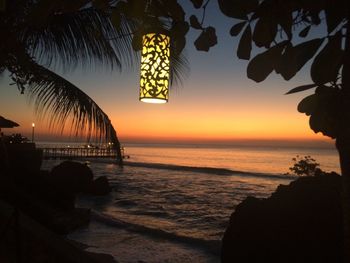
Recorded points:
249,114
217,102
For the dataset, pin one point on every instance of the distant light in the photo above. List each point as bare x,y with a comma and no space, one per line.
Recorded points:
33,125
155,68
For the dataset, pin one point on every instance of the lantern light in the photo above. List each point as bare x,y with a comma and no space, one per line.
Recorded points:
155,67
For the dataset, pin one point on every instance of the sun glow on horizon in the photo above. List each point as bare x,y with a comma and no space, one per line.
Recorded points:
182,120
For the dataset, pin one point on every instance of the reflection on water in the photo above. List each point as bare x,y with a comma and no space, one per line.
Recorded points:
183,203
188,203
252,159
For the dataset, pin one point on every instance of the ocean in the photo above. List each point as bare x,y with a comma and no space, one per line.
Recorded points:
184,193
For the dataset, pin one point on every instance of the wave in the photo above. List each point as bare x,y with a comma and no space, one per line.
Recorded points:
198,169
212,246
210,170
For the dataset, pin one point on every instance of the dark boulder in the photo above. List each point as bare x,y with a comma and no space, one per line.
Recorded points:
72,176
100,186
66,180
300,222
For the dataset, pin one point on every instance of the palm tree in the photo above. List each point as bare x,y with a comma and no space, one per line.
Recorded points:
39,36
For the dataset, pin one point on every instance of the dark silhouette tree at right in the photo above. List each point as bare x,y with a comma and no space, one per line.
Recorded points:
293,33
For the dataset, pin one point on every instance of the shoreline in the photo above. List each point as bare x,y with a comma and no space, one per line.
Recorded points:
127,246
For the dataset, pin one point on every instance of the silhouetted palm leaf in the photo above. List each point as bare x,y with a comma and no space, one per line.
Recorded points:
43,32
179,68
83,38
59,98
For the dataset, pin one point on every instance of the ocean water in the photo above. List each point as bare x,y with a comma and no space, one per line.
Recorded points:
187,193
249,158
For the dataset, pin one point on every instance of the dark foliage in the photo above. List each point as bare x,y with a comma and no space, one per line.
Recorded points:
39,36
300,222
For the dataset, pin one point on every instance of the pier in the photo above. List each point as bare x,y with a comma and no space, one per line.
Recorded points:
80,153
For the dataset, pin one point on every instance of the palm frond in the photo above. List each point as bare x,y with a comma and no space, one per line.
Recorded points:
87,38
54,95
84,38
179,68
60,99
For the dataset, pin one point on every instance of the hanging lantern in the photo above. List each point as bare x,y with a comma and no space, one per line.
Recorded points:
155,66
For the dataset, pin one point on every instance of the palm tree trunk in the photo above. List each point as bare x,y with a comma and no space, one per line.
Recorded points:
343,146
343,142
116,145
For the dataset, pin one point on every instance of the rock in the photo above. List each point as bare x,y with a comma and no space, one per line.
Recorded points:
27,240
66,180
300,222
99,186
71,176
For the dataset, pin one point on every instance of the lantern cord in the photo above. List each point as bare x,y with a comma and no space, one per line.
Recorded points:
204,9
149,3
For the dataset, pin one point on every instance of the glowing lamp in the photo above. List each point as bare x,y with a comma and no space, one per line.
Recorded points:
33,126
155,66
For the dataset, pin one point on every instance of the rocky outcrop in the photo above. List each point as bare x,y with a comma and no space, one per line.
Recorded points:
100,186
67,180
25,240
72,176
49,197
300,222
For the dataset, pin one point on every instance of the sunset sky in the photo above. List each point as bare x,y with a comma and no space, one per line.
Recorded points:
217,102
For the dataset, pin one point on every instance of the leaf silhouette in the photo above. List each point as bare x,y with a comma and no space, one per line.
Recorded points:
308,105
179,29
335,14
263,64
295,57
301,88
194,22
238,8
325,118
206,39
245,44
285,19
264,32
237,28
197,3
328,61
176,9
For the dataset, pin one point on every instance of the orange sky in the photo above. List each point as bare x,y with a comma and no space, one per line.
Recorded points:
217,101
187,117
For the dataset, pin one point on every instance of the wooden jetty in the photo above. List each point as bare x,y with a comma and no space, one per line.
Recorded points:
80,153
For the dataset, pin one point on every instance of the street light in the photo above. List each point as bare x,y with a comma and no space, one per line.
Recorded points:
33,126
